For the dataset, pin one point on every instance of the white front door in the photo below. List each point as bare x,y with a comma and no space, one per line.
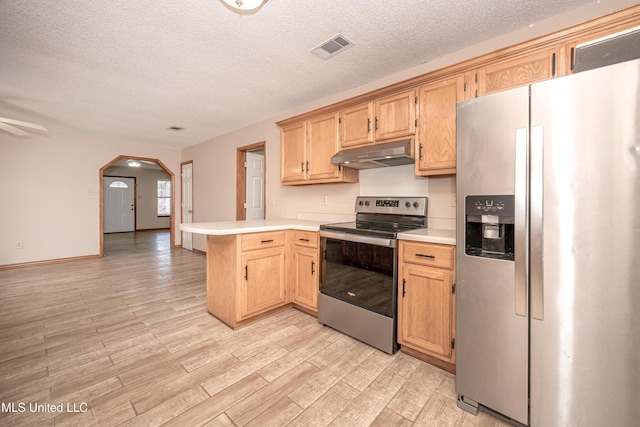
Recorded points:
187,203
118,204
254,192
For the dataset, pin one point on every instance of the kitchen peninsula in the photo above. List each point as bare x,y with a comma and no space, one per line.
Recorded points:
257,268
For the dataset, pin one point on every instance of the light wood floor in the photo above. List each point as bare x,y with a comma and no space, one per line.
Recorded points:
129,337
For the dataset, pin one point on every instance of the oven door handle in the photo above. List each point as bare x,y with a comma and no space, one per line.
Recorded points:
376,241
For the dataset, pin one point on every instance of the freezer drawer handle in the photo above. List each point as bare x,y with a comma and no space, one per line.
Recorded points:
426,256
266,241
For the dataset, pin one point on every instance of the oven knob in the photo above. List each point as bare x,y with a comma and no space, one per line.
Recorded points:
366,203
408,204
415,205
361,203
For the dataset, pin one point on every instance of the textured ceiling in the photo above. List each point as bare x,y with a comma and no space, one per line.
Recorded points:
130,69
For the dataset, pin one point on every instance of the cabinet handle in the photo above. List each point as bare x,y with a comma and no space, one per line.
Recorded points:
303,240
420,151
426,256
302,167
404,282
313,267
368,125
246,272
376,123
573,49
266,241
553,64
307,165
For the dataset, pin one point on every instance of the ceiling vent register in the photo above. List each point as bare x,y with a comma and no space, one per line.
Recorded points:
332,47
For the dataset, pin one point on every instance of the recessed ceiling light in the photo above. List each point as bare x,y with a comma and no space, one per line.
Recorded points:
175,128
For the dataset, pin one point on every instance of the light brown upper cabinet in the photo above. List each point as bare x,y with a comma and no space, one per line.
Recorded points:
387,118
395,116
306,149
423,107
534,66
436,142
293,144
355,125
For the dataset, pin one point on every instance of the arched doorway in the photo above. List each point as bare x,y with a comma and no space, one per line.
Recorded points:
138,159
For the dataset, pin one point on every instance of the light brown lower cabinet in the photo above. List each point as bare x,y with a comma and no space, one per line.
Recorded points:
426,302
252,276
305,275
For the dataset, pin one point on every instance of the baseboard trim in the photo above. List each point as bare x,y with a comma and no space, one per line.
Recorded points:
48,262
449,367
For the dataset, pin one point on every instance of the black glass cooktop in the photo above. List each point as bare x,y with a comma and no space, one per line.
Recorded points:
380,229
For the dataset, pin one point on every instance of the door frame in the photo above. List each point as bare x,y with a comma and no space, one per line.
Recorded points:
241,192
173,198
182,196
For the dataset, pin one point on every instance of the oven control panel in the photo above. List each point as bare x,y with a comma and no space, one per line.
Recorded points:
392,205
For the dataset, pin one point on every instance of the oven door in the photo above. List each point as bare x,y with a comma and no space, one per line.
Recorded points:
359,270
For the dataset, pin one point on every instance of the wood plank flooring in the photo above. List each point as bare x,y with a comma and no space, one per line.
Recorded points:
126,340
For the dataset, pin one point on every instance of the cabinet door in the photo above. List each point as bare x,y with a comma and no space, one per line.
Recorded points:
322,143
531,68
436,142
355,125
263,281
426,309
395,116
305,290
292,152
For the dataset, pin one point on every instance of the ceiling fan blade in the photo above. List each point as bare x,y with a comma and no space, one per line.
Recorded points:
12,129
24,124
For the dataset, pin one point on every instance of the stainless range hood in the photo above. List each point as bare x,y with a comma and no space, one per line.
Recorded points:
394,153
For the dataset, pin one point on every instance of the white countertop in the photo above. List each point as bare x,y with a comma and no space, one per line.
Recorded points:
220,228
430,235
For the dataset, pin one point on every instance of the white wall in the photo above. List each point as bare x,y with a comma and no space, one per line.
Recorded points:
49,192
146,195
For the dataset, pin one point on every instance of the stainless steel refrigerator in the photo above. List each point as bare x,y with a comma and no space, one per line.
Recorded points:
548,255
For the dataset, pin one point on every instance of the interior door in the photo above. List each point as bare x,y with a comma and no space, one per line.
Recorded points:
119,204
254,182
187,203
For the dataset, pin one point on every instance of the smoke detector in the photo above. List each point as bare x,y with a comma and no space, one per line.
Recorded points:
332,47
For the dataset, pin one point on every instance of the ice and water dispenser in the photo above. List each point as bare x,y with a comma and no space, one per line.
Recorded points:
489,226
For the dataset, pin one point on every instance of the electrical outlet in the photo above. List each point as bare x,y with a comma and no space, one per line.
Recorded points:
19,244
453,200
325,200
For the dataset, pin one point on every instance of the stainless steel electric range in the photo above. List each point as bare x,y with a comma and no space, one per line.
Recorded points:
359,268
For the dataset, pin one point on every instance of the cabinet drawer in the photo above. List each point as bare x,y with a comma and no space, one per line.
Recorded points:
305,238
440,256
262,240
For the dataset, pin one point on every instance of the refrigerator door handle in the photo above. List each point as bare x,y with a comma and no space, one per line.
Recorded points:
521,222
536,219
